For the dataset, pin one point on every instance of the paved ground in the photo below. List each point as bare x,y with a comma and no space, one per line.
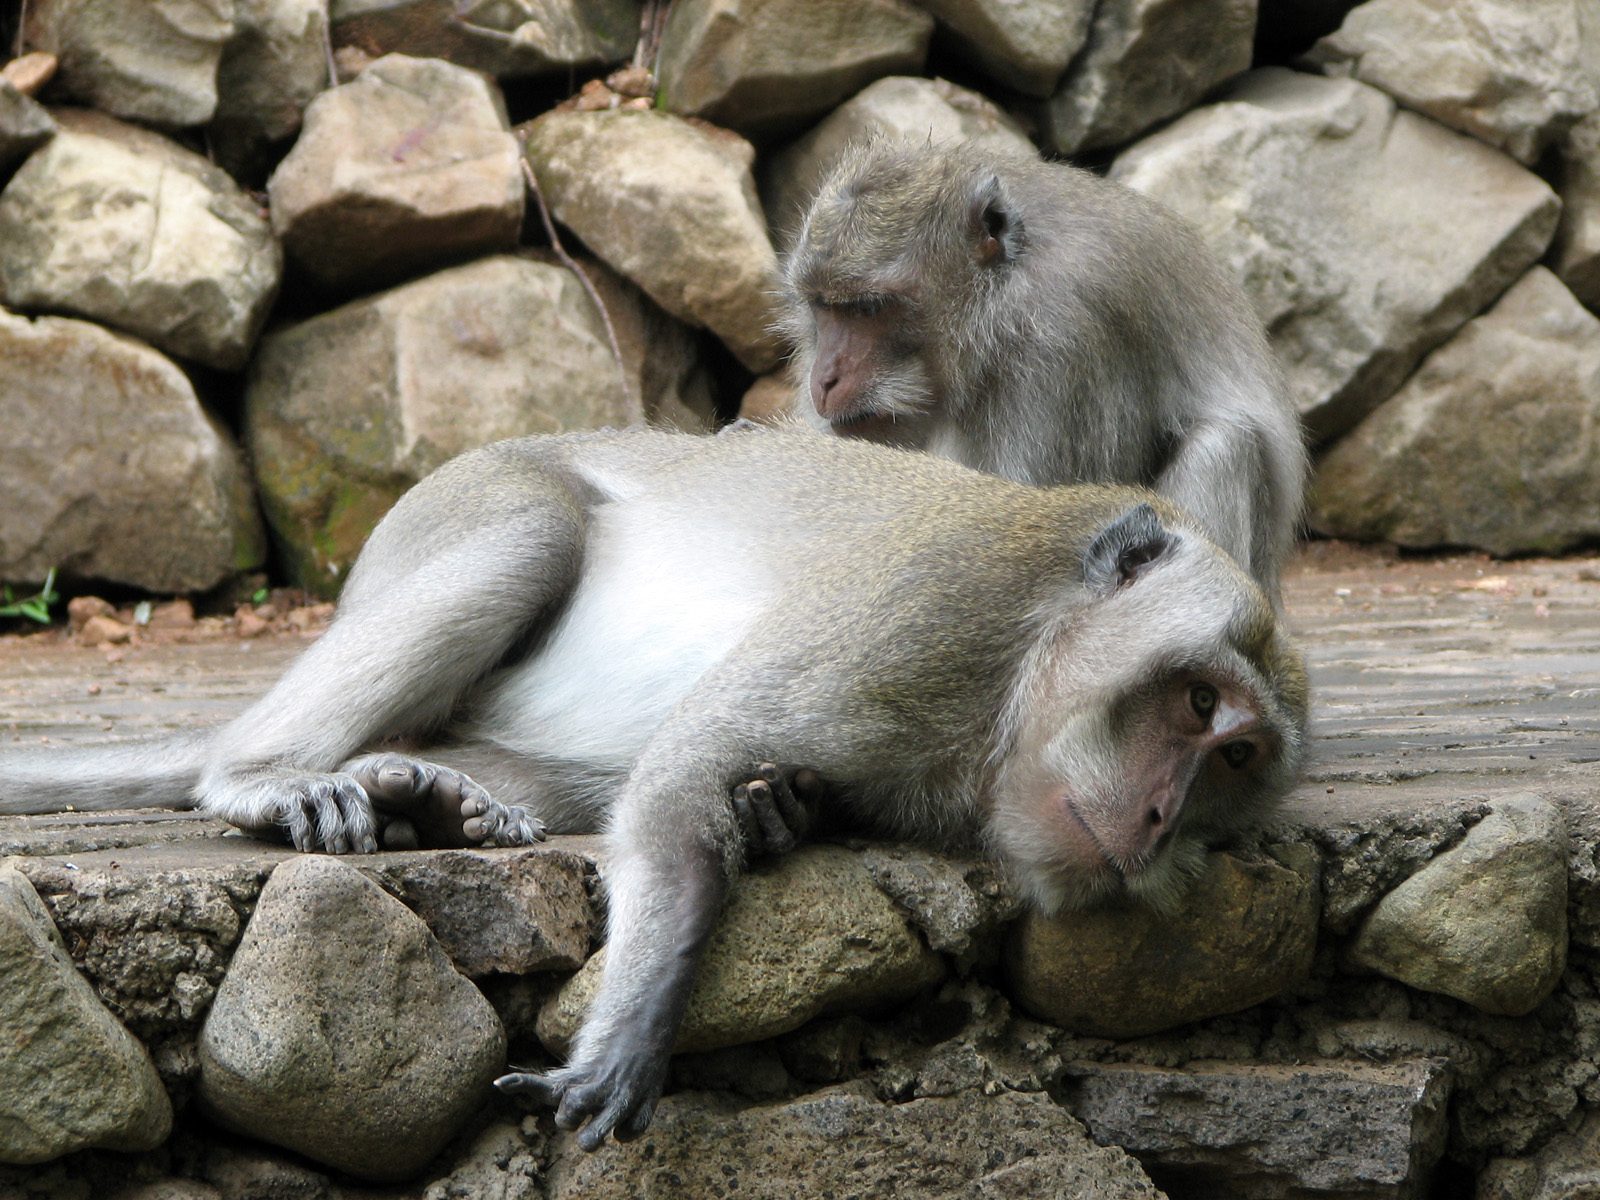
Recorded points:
1434,679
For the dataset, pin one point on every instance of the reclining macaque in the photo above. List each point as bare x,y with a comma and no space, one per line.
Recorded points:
613,631
1033,320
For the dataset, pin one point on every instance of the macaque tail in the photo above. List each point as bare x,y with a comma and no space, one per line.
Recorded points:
149,774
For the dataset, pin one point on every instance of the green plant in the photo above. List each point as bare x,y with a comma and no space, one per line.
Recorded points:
35,607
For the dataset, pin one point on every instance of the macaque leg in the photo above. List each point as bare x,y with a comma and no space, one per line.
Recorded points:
778,807
418,803
448,582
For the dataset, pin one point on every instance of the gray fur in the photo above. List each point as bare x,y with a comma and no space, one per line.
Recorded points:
1102,343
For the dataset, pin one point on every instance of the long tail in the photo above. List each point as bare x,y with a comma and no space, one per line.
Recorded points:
153,774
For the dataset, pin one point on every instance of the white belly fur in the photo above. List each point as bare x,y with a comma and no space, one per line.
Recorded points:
663,597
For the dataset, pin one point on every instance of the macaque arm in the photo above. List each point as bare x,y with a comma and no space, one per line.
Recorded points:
448,582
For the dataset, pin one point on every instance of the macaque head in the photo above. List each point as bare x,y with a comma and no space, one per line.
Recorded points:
1162,713
888,283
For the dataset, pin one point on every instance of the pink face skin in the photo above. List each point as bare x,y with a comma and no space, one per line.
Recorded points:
850,351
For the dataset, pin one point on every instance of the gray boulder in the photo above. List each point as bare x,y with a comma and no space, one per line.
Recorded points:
1146,60
25,125
807,936
407,167
900,107
1024,46
1364,236
1256,1130
347,410
342,1031
1516,75
1247,932
1488,443
1577,248
71,1077
120,224
764,67
276,61
143,61
503,1162
1566,1168
843,1142
671,205
113,471
1485,922
500,39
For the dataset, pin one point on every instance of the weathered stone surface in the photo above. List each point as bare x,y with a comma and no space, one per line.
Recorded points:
405,168
1577,249
807,936
1488,444
900,107
123,225
499,910
1357,281
1485,922
171,1188
276,61
250,1171
1146,60
110,468
959,905
842,1142
504,1162
346,411
142,61
1516,73
1024,45
71,1076
1567,1168
489,35
25,125
1245,1130
1247,931
342,1031
768,399
670,205
767,66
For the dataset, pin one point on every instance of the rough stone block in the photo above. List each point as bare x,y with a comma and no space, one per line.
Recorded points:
1246,932
808,936
1364,236
71,1076
342,1031
1230,1130
1024,45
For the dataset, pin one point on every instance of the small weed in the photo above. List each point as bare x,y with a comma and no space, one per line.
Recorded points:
35,607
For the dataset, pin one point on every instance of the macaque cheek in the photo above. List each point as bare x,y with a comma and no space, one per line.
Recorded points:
1068,840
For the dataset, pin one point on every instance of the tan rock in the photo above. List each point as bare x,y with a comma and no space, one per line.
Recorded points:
116,223
671,206
1021,45
1247,932
71,1077
808,936
408,167
122,476
767,66
1486,921
1577,248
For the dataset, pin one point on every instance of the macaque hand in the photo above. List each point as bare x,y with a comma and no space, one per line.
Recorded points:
777,808
617,1095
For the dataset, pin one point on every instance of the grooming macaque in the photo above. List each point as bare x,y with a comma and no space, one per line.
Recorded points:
1037,322
617,630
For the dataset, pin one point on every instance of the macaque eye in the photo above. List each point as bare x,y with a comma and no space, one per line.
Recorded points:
1203,699
1237,754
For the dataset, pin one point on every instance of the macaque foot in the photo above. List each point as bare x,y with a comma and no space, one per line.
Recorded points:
613,1098
321,813
421,804
777,808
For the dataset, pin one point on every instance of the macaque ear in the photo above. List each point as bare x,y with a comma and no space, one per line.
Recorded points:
995,227
1124,548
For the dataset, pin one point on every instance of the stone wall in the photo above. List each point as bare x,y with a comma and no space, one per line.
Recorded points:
264,263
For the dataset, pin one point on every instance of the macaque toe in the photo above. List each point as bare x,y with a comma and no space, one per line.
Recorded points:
439,807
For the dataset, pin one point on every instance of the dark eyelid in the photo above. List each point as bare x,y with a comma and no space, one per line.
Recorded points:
856,306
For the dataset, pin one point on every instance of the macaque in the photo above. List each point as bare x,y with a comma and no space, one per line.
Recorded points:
1035,321
615,631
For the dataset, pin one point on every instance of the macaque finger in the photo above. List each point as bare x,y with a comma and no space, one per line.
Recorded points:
780,838
755,842
400,834
544,1089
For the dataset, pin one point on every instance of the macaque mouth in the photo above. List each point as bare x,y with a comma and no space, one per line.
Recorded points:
867,424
